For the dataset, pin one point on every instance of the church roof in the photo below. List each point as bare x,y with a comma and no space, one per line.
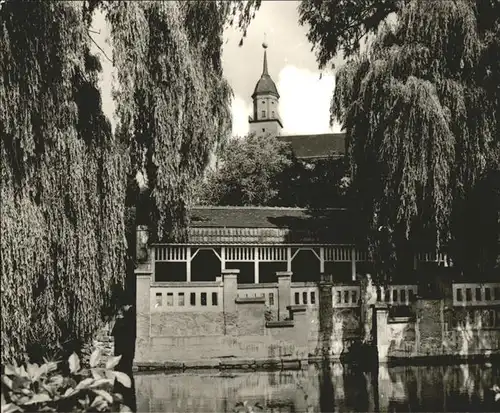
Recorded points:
316,146
265,85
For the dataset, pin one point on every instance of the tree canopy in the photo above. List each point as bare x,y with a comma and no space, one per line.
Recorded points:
420,109
247,172
262,171
65,174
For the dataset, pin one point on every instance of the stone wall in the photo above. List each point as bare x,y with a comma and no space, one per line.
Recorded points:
427,334
178,324
215,323
429,326
236,327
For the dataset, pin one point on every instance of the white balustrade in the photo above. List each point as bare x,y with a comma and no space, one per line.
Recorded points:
476,294
272,254
397,295
439,257
345,296
186,297
170,253
340,253
304,294
268,291
240,254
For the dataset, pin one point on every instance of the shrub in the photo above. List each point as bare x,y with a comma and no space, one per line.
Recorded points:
496,390
34,388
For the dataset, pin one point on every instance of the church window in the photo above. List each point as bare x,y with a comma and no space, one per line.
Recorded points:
272,113
263,113
263,129
263,102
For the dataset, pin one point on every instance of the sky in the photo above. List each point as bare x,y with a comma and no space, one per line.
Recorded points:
304,95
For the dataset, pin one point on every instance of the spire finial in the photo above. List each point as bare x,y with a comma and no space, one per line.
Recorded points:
264,45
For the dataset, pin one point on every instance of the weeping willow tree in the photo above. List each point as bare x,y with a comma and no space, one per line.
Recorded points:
65,175
62,180
420,109
173,102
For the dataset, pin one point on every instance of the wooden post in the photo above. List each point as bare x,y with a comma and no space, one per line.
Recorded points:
353,263
289,259
256,265
222,259
188,264
321,260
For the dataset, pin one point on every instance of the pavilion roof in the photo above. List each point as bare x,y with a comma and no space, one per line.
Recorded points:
269,225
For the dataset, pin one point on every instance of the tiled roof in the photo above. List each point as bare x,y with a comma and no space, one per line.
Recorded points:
260,217
316,146
287,224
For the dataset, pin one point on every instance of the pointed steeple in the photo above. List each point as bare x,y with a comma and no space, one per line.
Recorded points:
265,85
266,119
264,69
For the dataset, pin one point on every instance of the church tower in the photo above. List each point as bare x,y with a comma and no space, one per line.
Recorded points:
265,119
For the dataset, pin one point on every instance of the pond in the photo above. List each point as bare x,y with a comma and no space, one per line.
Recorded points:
333,388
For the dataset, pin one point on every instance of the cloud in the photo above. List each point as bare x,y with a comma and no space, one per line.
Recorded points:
305,101
240,112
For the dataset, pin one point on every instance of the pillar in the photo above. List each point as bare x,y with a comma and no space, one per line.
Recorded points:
188,264
289,259
143,314
230,289
230,293
256,265
353,263
284,293
381,331
143,254
321,260
325,317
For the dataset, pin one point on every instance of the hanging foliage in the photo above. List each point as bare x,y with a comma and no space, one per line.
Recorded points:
173,102
62,180
420,109
65,176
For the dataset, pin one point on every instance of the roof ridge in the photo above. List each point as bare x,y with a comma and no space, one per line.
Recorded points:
310,135
265,207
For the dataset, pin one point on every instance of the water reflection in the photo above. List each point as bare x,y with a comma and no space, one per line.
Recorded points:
324,388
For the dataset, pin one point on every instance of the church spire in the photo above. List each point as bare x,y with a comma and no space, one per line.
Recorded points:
264,69
265,119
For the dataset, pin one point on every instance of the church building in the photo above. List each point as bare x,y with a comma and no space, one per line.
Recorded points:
266,120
